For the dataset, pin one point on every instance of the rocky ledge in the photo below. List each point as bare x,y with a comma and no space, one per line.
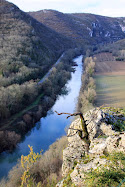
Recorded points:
106,130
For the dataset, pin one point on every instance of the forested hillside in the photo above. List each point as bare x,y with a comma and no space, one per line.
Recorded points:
26,43
116,48
87,28
37,56
28,50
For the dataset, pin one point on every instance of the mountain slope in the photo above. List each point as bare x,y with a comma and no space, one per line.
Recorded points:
25,41
82,27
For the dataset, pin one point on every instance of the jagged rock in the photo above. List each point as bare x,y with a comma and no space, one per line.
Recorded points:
98,123
107,129
74,151
76,147
79,173
122,143
60,184
116,143
93,119
97,147
71,131
112,143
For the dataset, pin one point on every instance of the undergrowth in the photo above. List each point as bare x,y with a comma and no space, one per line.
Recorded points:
119,125
111,176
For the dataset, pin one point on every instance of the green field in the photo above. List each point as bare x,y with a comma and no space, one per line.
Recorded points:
110,90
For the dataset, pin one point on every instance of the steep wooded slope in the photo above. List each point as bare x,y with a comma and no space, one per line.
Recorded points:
25,41
83,27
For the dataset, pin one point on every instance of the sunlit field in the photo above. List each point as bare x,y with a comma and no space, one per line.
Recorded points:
110,80
110,90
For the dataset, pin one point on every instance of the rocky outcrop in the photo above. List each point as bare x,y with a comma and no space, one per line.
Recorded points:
104,138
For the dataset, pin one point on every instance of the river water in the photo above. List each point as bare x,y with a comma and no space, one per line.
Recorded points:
50,128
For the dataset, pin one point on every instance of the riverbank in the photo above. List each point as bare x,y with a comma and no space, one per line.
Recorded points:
48,170
50,128
87,93
50,87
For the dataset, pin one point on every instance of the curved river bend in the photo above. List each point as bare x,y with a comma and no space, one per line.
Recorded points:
50,128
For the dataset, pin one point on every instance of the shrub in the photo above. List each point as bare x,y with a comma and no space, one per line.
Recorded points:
27,162
87,92
90,94
112,175
8,140
105,178
90,68
43,170
119,125
91,83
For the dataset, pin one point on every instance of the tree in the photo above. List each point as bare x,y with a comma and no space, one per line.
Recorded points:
27,162
85,136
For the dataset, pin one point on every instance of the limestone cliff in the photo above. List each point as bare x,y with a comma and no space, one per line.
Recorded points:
107,136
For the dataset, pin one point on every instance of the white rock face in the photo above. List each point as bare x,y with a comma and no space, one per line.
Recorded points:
107,129
123,28
103,139
60,184
76,147
79,173
99,123
107,34
90,31
116,143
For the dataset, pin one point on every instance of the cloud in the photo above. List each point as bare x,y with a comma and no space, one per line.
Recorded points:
108,7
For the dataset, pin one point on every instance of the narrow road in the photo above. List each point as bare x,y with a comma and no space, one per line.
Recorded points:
48,73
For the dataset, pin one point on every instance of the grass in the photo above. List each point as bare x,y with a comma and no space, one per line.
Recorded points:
102,136
110,90
112,176
110,110
67,181
119,126
86,159
105,178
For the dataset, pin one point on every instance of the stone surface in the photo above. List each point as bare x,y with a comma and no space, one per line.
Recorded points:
60,184
116,143
107,129
74,151
79,173
103,139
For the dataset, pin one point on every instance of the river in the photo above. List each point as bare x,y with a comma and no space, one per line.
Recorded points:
50,128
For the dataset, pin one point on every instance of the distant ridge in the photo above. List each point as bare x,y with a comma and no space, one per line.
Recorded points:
82,27
25,40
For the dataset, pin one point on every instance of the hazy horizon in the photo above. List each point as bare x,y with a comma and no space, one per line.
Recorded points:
112,8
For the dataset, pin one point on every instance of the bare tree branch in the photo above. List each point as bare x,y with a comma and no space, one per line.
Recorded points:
83,124
74,114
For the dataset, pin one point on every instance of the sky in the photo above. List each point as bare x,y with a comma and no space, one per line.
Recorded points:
112,8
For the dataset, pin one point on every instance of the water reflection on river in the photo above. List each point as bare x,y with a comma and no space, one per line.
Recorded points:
50,128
